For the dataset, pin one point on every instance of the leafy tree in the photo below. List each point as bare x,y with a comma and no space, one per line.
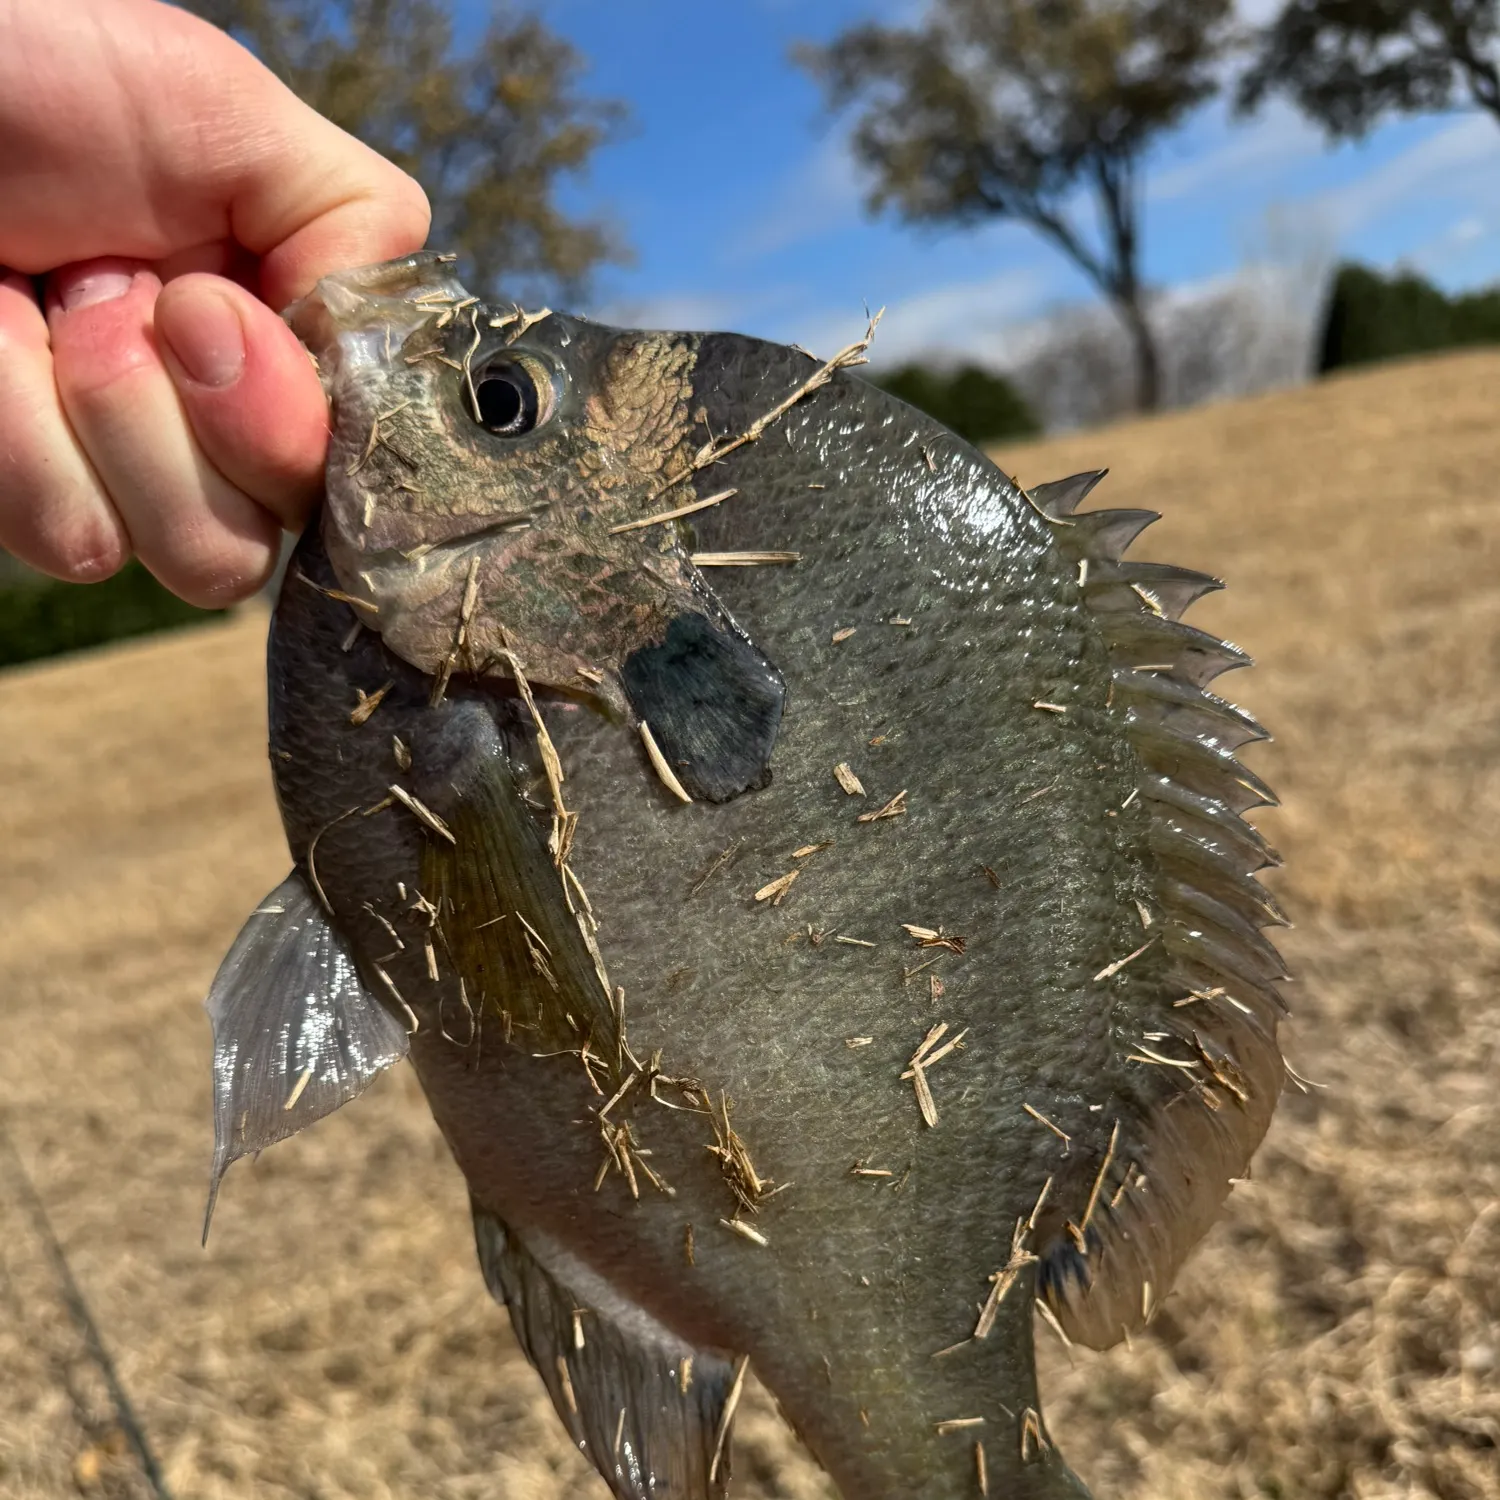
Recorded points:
1007,109
487,128
981,407
1347,62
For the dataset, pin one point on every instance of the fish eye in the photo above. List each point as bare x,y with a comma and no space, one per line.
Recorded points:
510,397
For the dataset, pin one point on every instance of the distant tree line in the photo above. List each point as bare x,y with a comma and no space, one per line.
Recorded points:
1373,317
41,617
1075,375
977,404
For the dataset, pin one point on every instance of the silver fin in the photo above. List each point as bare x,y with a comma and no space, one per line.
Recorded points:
296,1034
1061,497
1159,586
1103,535
647,1409
1209,1063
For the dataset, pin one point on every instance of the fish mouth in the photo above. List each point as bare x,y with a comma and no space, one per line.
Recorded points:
454,538
406,576
352,321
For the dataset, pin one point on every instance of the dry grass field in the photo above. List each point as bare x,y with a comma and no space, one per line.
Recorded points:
1338,1335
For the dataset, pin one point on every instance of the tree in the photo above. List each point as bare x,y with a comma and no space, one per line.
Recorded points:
997,109
1373,317
980,406
1347,62
487,130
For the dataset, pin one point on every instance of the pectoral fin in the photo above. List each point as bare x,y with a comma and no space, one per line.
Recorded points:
713,702
296,1034
650,1411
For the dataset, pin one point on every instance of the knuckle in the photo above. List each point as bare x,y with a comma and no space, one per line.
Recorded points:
216,569
95,379
53,516
82,563
72,538
102,352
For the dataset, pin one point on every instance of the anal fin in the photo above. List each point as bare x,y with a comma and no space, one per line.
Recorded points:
296,1034
648,1409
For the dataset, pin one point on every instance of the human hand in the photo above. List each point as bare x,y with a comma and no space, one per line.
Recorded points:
154,173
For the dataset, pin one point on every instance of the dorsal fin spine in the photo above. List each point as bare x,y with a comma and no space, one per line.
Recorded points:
1061,497
1213,1033
1180,757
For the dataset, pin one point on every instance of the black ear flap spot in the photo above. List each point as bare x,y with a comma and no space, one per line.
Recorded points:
714,706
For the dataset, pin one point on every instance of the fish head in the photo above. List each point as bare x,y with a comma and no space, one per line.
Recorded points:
489,472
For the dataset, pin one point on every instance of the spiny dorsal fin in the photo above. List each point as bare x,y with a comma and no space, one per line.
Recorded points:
296,1034
1140,641
1210,1033
1160,699
1159,586
601,1357
1180,757
1103,535
1059,498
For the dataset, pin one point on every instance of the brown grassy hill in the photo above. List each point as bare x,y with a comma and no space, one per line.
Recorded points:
1337,1336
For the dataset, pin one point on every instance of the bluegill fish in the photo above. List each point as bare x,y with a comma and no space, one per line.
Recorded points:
807,872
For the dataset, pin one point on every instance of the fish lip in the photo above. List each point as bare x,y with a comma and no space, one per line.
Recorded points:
488,531
367,299
404,561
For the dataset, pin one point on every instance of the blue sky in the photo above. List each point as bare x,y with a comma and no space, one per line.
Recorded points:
744,211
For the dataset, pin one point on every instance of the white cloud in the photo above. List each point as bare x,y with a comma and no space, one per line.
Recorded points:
1464,245
1257,12
1457,162
678,310
821,194
1275,139
966,319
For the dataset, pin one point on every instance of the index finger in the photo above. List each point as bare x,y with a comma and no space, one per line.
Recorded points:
152,132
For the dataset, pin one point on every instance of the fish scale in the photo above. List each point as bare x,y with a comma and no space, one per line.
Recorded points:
759,1076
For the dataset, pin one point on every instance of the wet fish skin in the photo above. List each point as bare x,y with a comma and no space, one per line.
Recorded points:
518,1126
1049,790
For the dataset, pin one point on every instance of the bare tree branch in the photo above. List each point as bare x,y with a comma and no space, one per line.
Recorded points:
1010,108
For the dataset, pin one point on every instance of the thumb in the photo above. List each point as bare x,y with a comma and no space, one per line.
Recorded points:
250,392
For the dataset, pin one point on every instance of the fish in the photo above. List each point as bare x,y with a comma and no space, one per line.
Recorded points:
808,872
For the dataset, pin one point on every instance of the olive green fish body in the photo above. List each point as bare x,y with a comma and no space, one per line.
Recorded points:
944,991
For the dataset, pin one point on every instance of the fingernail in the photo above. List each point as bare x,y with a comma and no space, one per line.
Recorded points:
206,337
95,286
